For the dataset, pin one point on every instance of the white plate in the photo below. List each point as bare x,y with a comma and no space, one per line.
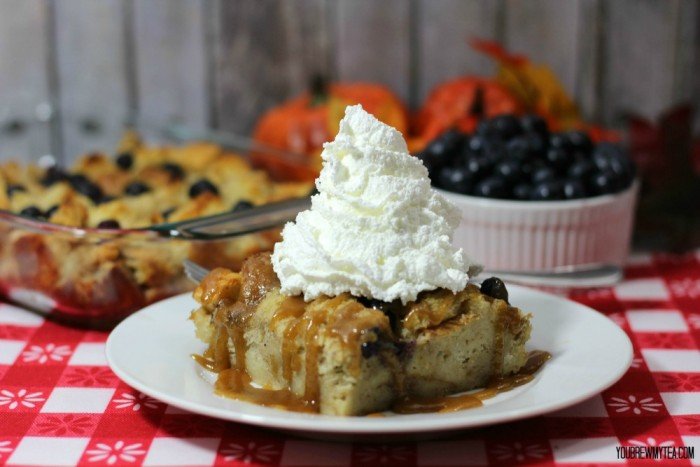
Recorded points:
151,351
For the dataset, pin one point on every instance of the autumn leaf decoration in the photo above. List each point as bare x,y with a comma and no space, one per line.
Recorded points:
536,86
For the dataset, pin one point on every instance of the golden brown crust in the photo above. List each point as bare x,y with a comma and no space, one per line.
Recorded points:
168,172
219,285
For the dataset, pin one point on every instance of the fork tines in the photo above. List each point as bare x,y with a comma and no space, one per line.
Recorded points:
194,271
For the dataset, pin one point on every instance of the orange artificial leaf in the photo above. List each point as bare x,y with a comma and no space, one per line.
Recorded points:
536,86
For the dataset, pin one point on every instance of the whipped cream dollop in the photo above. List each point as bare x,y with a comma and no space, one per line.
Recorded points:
376,228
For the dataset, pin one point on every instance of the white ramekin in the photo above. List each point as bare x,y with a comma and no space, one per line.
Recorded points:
539,235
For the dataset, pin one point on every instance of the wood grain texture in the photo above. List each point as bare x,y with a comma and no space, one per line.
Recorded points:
443,32
686,85
588,85
171,62
23,78
373,43
91,77
696,72
638,58
266,51
546,31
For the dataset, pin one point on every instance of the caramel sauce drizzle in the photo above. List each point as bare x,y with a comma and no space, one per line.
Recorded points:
349,322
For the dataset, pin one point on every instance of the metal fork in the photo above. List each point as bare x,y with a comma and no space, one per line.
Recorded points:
194,271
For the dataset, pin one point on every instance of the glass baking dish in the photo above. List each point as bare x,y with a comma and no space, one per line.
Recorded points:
96,277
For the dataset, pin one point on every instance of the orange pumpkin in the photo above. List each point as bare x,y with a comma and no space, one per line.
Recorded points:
301,125
461,103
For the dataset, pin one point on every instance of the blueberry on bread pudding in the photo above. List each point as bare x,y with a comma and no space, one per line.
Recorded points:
365,305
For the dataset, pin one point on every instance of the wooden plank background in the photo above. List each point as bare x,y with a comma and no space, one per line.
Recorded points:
72,72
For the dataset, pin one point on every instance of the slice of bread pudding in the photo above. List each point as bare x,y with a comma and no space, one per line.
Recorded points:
350,356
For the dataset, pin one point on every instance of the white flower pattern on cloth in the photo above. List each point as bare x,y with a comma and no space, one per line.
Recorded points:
694,320
631,403
519,452
20,398
50,352
135,401
250,452
120,451
383,454
651,442
637,362
686,287
5,447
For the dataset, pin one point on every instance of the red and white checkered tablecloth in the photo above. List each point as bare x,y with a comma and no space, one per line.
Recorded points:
60,404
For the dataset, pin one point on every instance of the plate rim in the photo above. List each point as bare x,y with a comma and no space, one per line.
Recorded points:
301,422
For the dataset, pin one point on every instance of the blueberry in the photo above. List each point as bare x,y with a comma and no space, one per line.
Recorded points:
457,179
608,156
559,140
601,161
548,191
519,148
538,144
125,160
483,128
136,188
542,174
108,224
441,151
580,142
492,187
495,288
522,191
533,123
574,189
478,167
558,159
52,175
51,211
609,150
580,170
33,211
202,186
174,170
370,348
506,126
509,170
429,162
539,167
619,167
620,164
602,183
475,144
12,189
85,186
495,151
444,146
242,205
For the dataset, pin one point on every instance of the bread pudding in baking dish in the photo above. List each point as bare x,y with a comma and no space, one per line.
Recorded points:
365,305
107,273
